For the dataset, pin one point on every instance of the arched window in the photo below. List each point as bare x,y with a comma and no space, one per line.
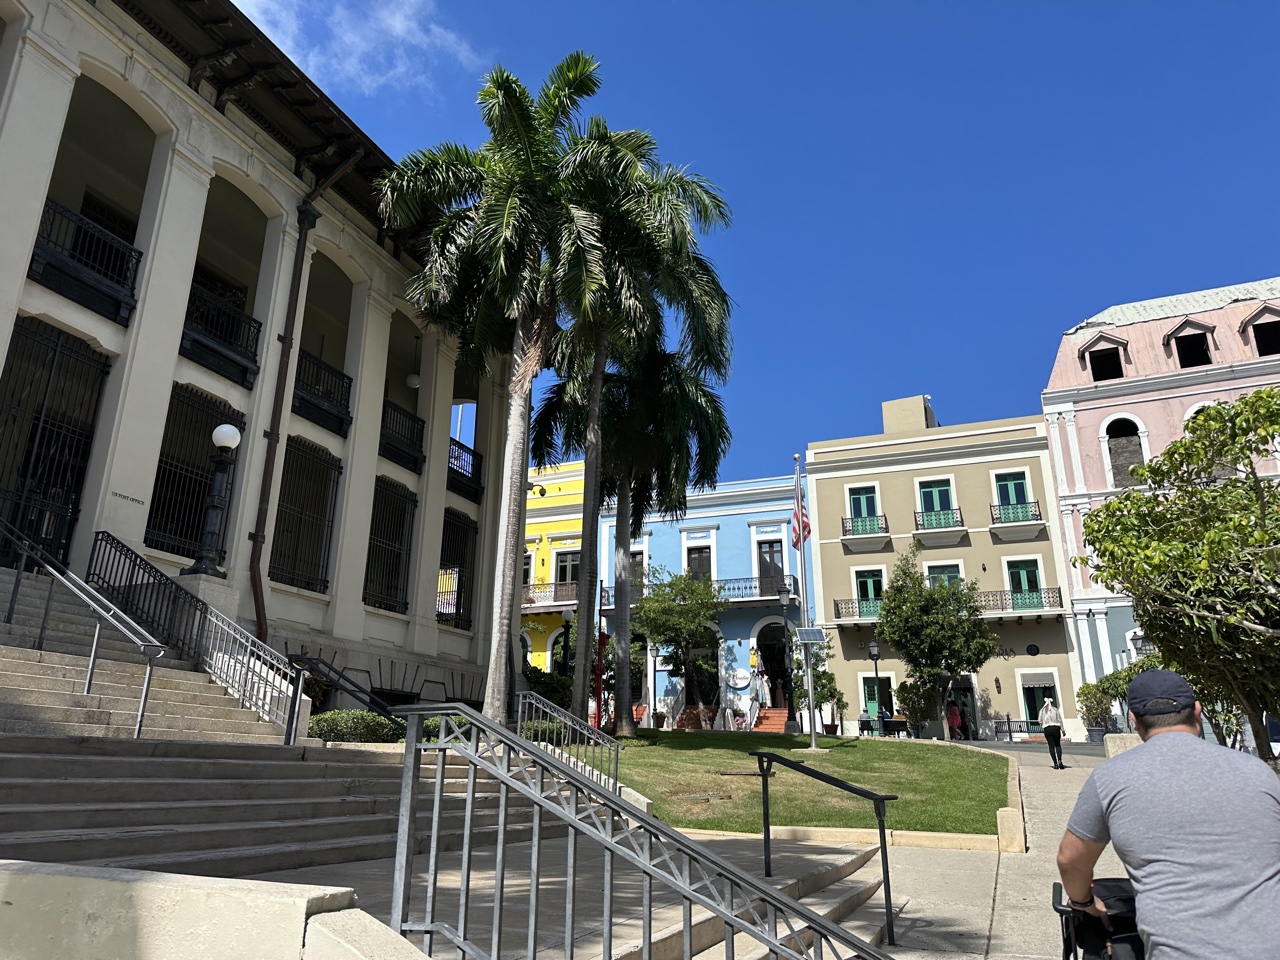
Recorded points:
1124,448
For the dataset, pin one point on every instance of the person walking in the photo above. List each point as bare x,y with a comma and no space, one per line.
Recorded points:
953,719
1051,723
1196,825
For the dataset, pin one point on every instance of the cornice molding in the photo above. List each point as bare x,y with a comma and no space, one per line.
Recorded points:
1195,376
930,456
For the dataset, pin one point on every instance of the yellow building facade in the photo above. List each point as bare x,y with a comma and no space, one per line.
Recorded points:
552,559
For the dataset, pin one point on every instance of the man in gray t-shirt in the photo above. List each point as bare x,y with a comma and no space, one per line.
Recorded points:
1196,825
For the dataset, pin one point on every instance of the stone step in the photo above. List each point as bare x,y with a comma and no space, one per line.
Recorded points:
224,708
54,664
123,713
73,729
77,650
214,697
249,860
27,791
53,767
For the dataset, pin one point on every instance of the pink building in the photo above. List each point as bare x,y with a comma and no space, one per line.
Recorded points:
1123,384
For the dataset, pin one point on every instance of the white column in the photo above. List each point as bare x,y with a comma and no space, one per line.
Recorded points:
1104,641
1073,444
435,405
1055,446
32,115
367,337
122,468
1085,639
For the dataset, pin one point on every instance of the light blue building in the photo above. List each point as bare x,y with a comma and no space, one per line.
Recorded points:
739,535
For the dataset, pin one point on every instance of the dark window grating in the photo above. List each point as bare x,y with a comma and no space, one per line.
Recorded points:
464,471
386,574
457,570
175,522
322,394
85,262
304,518
401,440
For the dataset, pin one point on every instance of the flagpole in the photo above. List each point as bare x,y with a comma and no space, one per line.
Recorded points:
804,609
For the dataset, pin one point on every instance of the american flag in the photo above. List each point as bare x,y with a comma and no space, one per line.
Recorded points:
799,518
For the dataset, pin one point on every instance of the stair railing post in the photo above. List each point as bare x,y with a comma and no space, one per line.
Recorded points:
766,766
295,704
93,653
142,701
406,835
44,621
17,582
884,873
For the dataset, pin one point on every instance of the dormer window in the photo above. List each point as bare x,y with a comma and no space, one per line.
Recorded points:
1266,337
1105,364
1192,350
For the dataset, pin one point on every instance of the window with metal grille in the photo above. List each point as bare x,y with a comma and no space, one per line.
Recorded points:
386,574
175,522
457,570
304,517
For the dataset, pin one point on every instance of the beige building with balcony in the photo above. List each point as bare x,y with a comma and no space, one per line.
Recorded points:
975,498
190,238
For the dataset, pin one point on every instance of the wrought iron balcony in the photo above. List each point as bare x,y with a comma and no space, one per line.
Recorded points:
939,519
322,394
858,609
402,433
1016,512
219,335
1050,598
85,262
766,590
864,526
464,471
538,593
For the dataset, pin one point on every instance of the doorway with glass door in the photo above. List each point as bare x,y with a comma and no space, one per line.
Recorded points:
875,696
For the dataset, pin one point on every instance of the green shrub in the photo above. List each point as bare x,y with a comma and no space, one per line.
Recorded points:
1095,705
542,731
550,686
354,726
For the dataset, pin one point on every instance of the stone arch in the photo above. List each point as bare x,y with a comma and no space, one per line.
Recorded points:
1122,438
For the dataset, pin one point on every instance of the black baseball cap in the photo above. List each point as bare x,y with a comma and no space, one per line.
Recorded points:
1154,692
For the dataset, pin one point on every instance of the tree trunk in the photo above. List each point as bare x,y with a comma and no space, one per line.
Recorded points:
589,558
515,475
624,723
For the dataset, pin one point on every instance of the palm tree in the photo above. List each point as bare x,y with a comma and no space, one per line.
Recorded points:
668,433
507,244
653,265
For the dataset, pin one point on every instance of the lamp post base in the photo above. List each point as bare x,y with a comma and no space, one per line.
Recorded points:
792,726
204,567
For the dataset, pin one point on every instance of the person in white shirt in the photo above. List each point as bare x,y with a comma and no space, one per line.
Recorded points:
1051,723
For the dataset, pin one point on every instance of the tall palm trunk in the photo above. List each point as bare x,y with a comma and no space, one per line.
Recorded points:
624,723
589,557
515,474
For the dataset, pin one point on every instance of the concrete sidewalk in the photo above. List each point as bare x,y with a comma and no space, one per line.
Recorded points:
964,905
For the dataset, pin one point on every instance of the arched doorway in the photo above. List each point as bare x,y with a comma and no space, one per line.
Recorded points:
771,648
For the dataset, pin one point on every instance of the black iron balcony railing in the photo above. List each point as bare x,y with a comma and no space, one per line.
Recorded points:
767,589
464,471
1050,598
939,519
535,593
401,440
1016,512
86,263
221,336
857,609
322,394
864,526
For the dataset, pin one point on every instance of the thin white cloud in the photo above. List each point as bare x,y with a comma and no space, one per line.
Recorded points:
363,45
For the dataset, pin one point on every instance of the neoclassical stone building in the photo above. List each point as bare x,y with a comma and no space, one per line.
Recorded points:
1123,384
189,237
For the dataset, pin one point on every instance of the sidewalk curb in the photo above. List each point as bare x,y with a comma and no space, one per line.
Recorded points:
985,842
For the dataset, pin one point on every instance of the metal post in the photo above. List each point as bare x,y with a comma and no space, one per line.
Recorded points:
406,836
884,874
879,723
17,582
44,623
766,766
142,701
93,654
808,683
295,705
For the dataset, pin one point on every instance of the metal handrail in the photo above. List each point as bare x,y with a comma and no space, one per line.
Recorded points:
744,903
326,670
589,750
765,762
103,609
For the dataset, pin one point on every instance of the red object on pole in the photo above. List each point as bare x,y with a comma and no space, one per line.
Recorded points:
601,643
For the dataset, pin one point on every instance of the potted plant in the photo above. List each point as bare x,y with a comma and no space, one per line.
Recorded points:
1095,710
659,720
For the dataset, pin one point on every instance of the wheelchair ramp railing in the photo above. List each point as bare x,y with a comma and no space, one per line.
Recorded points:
635,849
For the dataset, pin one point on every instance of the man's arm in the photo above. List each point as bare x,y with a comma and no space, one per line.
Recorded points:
1076,859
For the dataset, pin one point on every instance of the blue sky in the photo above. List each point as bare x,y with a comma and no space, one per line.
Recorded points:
926,194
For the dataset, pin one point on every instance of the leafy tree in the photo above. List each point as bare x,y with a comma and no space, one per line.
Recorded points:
678,614
1198,550
938,630
825,689
1220,712
667,434
918,701
1094,704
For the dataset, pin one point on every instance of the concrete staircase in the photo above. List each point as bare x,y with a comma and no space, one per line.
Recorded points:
41,692
771,720
224,810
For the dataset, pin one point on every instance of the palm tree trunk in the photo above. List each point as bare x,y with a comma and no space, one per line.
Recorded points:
589,558
624,723
510,537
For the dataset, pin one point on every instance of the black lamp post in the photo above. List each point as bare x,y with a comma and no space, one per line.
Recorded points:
788,685
564,642
873,650
225,438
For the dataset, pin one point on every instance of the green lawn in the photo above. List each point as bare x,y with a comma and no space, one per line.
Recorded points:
949,790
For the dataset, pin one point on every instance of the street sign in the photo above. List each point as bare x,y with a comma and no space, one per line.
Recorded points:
811,635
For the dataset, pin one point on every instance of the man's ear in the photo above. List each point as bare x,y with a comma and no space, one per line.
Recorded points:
1137,727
